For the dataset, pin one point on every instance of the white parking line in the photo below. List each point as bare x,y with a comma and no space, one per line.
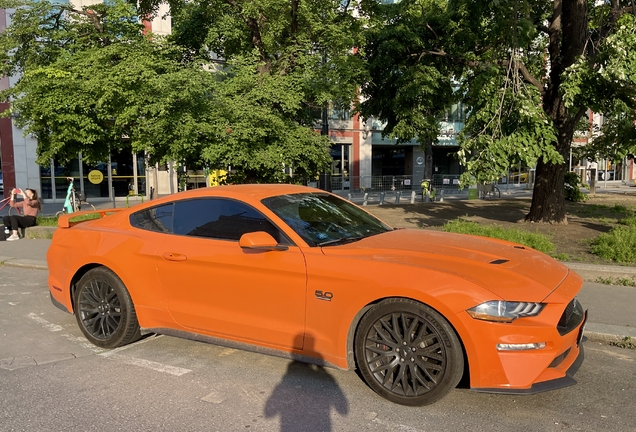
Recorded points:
47,325
159,367
112,354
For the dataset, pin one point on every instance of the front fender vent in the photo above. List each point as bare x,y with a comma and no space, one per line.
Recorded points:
499,261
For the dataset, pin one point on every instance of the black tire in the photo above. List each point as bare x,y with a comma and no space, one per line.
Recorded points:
104,310
408,353
85,205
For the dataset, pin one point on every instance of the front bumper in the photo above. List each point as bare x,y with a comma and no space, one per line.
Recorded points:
555,383
558,329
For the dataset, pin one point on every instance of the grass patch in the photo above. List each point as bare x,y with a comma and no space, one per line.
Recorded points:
618,245
85,217
536,241
616,208
561,256
627,342
629,221
46,221
52,220
616,281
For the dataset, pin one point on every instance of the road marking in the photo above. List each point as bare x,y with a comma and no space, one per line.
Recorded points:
83,342
214,398
159,367
125,347
398,427
113,354
47,325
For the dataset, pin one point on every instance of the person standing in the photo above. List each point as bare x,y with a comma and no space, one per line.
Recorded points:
30,207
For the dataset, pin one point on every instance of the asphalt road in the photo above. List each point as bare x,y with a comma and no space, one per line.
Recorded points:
52,379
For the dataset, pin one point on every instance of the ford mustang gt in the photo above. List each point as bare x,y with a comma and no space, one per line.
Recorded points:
301,273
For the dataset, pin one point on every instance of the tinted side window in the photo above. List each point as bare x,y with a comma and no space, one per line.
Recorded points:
220,218
158,219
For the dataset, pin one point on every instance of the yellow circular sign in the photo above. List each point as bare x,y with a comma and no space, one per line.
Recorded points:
95,177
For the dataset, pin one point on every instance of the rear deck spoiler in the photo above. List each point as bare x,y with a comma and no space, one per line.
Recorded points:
68,220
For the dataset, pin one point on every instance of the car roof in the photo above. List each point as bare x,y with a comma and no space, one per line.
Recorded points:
244,191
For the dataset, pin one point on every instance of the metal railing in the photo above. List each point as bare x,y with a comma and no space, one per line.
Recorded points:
368,184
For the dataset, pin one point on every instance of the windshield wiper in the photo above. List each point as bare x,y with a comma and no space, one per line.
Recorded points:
341,241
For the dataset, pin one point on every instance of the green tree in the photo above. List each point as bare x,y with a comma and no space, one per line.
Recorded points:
282,62
528,70
241,91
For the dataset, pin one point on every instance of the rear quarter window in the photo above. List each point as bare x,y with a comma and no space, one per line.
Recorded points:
157,219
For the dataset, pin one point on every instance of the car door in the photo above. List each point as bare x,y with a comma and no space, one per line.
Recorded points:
216,287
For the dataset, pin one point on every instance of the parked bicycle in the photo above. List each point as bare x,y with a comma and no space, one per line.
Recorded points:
73,202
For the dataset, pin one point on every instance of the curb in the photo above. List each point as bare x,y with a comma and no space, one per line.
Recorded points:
607,333
23,263
591,272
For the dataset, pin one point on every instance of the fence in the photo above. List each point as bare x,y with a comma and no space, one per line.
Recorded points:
370,184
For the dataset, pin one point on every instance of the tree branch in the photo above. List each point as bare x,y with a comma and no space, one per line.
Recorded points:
475,64
254,28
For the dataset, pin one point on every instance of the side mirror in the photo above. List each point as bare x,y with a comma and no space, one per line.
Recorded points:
260,240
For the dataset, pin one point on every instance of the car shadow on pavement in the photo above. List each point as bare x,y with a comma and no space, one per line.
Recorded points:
306,395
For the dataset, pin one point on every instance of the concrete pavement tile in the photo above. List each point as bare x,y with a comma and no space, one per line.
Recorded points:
13,363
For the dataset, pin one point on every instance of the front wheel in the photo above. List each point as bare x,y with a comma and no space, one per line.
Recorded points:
104,310
84,204
408,353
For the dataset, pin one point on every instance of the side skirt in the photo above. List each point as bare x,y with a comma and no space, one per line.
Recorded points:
241,346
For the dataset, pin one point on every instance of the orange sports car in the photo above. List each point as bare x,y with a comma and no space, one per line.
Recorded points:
301,273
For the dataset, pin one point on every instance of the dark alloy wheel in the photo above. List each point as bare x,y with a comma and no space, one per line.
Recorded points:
104,309
408,353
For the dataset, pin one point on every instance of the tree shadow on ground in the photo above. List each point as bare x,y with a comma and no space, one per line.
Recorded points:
436,214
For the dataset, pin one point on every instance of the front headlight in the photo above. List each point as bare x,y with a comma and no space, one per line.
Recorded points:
503,311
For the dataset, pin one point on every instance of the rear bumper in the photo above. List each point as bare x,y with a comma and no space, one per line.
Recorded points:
59,305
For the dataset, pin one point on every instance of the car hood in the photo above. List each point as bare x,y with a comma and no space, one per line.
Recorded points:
508,270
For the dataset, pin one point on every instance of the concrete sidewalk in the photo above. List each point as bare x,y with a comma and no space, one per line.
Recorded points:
611,308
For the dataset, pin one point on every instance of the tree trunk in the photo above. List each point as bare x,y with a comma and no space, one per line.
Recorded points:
428,160
568,35
548,197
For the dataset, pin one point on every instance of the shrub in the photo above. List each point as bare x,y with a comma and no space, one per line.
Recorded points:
572,188
618,245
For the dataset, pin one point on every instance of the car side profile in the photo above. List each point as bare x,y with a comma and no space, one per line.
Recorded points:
304,274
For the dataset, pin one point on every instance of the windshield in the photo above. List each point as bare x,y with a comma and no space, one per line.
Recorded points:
322,219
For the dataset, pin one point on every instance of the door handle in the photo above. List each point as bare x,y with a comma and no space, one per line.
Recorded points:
169,256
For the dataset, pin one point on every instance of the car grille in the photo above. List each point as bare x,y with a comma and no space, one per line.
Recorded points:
571,318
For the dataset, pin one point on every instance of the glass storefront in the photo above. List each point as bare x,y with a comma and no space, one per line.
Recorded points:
123,175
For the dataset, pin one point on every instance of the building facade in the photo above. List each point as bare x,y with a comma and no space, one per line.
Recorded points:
115,179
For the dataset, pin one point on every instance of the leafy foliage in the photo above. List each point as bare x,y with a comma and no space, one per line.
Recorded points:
240,92
527,70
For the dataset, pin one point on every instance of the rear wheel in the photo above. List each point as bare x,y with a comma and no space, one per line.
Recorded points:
104,310
408,353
